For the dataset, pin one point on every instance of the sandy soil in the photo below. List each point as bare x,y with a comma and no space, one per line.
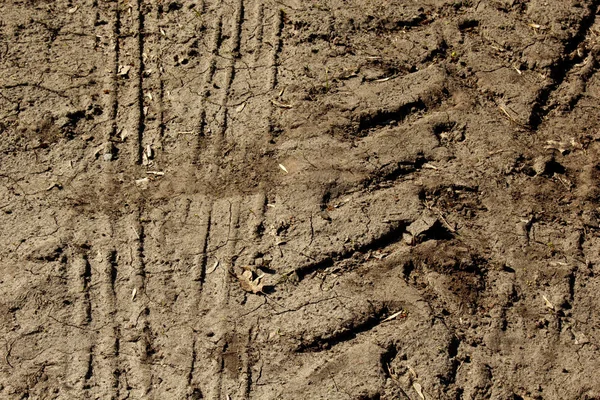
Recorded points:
325,199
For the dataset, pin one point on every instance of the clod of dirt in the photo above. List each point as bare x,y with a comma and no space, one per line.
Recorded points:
541,164
48,250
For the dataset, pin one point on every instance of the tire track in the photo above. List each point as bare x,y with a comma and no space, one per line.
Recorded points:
133,303
112,86
235,369
276,50
229,379
258,31
226,338
198,277
129,70
233,54
80,364
133,339
561,69
79,371
104,369
212,330
140,110
152,85
203,129
96,365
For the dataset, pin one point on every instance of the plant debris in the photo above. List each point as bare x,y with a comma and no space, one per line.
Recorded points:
250,282
400,314
419,389
281,105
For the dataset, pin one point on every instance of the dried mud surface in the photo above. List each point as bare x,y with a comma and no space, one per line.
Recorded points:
415,183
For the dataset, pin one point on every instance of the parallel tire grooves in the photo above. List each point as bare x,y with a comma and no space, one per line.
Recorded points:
100,270
80,365
277,46
215,44
234,55
212,299
274,65
258,30
152,85
198,276
140,372
198,273
105,366
138,16
228,385
561,69
113,85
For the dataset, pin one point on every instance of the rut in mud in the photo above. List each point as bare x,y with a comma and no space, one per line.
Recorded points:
415,183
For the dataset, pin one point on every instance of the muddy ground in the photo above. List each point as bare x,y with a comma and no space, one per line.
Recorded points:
325,199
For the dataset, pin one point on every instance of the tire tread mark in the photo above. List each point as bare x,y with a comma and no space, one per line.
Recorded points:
142,328
561,69
215,45
277,47
222,117
199,275
113,86
227,385
104,362
246,375
138,16
259,30
80,368
274,67
152,84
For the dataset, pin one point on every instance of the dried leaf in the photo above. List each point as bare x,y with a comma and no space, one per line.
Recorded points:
536,26
124,70
401,314
214,267
149,152
249,283
548,304
419,390
430,166
281,105
241,107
